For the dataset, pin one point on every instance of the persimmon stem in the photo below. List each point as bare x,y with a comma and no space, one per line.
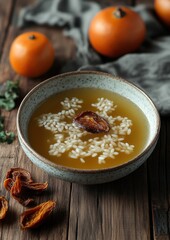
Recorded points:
119,13
32,37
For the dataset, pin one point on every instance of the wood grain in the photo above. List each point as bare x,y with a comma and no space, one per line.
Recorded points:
118,210
6,8
159,170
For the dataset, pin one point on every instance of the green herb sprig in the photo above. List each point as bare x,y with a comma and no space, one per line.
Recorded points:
9,92
4,135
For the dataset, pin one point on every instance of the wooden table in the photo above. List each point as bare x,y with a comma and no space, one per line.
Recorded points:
136,207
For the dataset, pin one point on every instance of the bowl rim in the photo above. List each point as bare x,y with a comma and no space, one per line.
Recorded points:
77,170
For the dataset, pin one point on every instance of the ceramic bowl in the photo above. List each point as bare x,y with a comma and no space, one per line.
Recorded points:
87,79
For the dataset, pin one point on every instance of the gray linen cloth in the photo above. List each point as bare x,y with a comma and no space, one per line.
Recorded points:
149,67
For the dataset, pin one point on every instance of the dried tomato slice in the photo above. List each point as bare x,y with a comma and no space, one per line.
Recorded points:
92,122
33,217
3,207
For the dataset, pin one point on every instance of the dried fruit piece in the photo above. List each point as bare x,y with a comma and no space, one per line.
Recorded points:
8,183
15,188
19,194
92,122
33,217
21,172
21,186
35,187
3,207
32,186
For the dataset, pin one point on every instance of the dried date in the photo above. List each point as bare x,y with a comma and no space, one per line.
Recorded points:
33,217
92,122
3,207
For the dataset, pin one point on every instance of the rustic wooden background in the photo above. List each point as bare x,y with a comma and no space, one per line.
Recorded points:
136,207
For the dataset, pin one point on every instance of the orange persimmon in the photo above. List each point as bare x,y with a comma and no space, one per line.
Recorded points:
31,54
115,31
162,8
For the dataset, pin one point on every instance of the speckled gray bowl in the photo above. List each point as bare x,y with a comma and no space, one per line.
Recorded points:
87,79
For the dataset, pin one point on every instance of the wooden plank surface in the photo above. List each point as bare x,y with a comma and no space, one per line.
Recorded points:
5,19
133,208
159,170
111,211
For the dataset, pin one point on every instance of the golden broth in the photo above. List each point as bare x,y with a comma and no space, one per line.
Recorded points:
40,138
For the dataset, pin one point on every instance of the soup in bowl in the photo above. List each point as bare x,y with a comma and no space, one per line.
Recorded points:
87,127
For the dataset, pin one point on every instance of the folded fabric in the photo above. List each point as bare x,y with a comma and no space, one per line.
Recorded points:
148,68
